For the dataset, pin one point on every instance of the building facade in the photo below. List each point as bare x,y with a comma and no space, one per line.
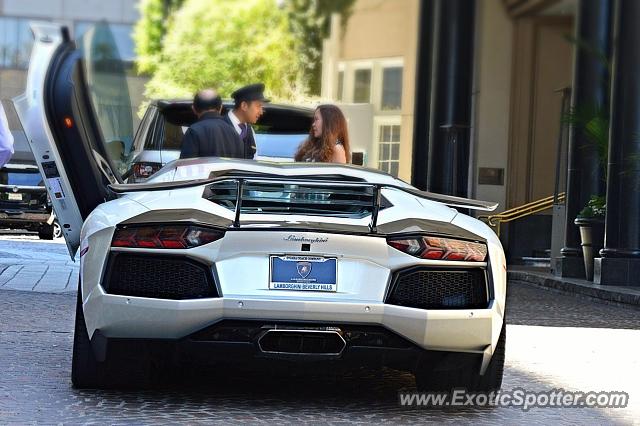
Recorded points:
371,60
497,83
78,16
522,57
521,60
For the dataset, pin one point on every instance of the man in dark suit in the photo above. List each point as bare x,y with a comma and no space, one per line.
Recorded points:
211,135
247,109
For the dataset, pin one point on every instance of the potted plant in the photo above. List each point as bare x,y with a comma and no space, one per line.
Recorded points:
593,122
591,223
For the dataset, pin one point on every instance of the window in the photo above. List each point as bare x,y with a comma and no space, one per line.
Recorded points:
15,43
172,135
25,177
340,85
389,149
391,88
362,86
122,33
109,93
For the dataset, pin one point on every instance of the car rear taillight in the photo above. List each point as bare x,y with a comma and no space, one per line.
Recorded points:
145,170
164,236
437,248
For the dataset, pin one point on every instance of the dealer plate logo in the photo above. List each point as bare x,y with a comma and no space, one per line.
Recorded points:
304,269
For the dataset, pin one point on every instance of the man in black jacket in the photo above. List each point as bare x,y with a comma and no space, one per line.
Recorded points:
247,109
211,135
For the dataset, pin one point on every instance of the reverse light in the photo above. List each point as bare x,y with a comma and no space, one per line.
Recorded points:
437,248
165,237
145,170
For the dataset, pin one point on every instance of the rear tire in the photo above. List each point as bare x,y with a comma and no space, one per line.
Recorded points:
46,232
125,366
86,371
467,376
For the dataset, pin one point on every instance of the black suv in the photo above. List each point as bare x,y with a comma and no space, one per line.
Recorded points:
24,203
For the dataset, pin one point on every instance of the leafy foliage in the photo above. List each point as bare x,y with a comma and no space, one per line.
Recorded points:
224,44
150,30
310,20
595,208
596,53
593,122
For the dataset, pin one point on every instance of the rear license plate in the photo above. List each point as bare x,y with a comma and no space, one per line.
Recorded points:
14,197
303,273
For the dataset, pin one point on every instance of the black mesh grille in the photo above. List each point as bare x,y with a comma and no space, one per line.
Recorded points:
158,277
438,289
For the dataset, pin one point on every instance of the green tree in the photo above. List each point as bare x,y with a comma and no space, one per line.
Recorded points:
225,44
310,20
150,30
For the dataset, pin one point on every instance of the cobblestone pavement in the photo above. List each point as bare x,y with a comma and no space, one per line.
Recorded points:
30,264
554,341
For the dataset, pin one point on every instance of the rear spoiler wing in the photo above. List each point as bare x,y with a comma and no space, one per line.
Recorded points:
240,181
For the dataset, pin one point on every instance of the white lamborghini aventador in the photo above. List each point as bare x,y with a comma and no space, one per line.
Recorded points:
238,261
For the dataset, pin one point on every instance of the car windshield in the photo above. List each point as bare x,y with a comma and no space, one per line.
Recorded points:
268,144
107,82
20,178
278,146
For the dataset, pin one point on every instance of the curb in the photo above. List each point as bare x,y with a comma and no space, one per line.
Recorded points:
615,294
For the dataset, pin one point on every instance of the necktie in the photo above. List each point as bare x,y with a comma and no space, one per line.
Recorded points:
243,130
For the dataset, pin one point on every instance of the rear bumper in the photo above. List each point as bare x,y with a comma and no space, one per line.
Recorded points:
465,330
365,346
18,218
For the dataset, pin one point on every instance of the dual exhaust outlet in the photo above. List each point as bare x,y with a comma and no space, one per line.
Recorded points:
299,342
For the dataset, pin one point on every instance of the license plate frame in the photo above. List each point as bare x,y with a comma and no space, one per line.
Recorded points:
289,272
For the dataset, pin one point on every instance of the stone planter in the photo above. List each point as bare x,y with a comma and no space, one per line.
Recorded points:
592,236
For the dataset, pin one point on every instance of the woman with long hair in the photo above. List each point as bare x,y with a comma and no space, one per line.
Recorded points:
328,140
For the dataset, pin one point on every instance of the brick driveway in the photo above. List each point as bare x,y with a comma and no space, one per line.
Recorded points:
555,341
30,264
